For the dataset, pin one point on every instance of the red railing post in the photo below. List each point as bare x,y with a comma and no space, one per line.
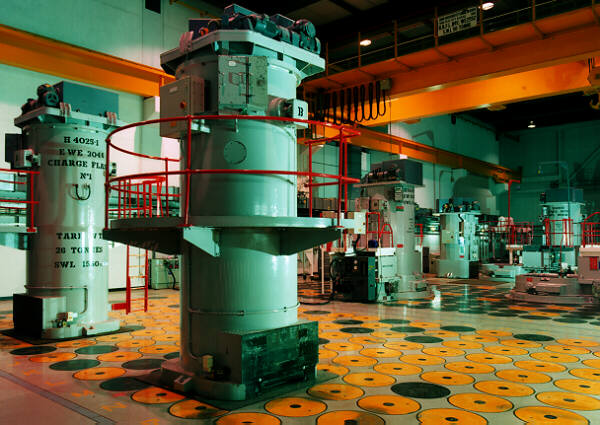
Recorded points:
340,171
310,179
345,144
146,280
167,186
31,227
186,220
106,182
127,285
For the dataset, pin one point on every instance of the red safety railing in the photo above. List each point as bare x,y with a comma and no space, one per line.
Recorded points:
378,229
510,232
136,270
127,185
590,230
559,233
421,235
26,206
143,198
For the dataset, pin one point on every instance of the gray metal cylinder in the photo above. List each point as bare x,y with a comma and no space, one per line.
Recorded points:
67,261
249,286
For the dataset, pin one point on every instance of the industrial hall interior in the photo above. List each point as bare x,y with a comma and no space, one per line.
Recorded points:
310,212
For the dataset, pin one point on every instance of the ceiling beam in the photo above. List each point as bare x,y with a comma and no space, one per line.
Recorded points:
549,81
375,140
571,36
30,51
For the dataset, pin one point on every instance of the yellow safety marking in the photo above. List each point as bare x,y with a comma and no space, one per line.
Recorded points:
469,367
569,401
528,377
546,415
480,402
488,358
554,357
447,378
503,388
403,345
389,404
506,351
349,416
422,359
295,407
400,369
369,379
335,391
462,345
338,370
539,366
355,360
380,352
450,417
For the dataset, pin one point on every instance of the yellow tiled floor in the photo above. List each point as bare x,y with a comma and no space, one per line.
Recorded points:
466,356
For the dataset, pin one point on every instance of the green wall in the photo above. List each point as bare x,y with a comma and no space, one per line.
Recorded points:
462,137
578,144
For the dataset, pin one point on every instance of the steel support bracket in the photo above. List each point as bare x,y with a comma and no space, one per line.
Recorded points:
293,240
205,238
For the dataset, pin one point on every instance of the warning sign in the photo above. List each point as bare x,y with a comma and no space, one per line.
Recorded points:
457,21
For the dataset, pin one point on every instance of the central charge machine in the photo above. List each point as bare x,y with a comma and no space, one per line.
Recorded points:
240,333
63,139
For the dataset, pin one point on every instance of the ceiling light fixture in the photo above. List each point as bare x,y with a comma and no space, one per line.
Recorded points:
366,42
531,124
487,5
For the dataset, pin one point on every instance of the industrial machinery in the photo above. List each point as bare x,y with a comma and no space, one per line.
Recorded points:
506,241
427,229
164,272
459,247
564,285
557,245
63,138
234,108
384,265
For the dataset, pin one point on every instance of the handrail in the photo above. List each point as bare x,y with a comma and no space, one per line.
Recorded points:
516,233
123,184
485,25
30,203
590,231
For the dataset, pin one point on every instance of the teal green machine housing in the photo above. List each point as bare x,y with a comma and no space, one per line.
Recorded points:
240,333
63,137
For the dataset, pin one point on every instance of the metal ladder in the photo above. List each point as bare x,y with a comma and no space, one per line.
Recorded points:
136,281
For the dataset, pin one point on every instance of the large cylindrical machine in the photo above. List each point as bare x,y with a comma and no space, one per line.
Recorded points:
63,137
240,334
459,247
384,265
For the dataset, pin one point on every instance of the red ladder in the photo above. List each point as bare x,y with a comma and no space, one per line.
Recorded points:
136,273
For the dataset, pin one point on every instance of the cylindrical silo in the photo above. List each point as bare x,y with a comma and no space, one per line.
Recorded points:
67,260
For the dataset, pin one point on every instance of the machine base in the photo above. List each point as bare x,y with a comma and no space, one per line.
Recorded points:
552,299
249,363
457,269
500,272
37,317
171,374
550,288
42,341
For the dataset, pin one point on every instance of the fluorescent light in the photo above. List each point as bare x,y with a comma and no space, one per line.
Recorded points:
531,124
487,5
366,42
